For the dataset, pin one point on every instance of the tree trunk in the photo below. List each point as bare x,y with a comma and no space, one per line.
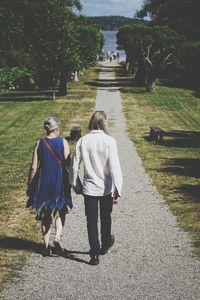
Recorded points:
44,79
140,76
54,89
150,80
63,86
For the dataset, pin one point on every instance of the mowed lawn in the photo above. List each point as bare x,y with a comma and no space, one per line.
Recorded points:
174,165
21,124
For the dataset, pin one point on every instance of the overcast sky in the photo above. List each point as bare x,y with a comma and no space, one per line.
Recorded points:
125,8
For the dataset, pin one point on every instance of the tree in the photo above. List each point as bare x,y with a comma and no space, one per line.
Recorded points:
190,60
90,42
148,48
183,17
53,40
180,15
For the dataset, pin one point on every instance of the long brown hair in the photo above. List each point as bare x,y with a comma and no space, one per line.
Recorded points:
98,121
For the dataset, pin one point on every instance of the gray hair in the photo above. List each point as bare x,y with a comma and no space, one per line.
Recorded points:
98,121
51,123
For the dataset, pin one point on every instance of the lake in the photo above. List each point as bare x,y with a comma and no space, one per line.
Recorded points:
111,45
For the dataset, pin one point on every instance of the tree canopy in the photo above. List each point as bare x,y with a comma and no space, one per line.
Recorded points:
48,38
181,15
148,49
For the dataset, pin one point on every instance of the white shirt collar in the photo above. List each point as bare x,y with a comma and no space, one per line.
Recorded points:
96,131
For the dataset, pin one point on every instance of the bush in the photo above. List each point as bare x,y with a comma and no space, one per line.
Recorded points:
15,78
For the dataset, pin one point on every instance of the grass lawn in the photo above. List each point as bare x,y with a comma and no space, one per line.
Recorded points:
21,125
174,165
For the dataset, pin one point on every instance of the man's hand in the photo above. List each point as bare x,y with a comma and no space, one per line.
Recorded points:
116,197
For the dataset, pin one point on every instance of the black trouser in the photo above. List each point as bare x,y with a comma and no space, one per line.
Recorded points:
91,211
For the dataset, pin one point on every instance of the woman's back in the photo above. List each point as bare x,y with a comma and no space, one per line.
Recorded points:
50,188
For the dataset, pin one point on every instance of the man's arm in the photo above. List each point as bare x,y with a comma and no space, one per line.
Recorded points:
115,170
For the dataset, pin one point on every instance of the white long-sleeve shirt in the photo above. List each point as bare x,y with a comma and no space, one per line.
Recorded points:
102,171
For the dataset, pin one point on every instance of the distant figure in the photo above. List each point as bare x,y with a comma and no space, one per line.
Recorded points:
108,54
102,181
110,58
118,55
49,190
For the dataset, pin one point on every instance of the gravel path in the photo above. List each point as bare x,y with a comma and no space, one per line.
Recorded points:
151,258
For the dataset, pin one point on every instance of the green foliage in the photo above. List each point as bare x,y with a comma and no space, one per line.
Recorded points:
150,48
10,77
47,35
181,15
190,59
90,43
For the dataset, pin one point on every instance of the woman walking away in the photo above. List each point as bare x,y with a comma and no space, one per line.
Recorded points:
101,184
48,184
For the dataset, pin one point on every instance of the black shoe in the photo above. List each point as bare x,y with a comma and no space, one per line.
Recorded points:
104,250
46,251
94,261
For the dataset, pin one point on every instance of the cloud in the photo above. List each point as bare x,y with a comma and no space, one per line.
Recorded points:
111,7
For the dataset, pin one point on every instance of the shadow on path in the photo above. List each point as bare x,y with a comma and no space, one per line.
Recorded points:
15,243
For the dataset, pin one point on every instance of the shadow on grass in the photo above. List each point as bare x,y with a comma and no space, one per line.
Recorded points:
182,139
191,191
19,244
26,96
15,243
189,167
179,139
197,94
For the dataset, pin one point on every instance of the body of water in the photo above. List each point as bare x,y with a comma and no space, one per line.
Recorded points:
111,45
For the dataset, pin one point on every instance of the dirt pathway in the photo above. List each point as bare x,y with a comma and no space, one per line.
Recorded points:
151,258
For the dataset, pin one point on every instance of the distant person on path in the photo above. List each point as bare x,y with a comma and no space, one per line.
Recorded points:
48,184
110,58
102,181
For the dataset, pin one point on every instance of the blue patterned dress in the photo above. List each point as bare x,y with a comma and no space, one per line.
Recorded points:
50,188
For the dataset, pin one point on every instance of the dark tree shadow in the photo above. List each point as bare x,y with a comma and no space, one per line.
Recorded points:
191,191
180,139
19,244
15,243
197,94
183,167
26,96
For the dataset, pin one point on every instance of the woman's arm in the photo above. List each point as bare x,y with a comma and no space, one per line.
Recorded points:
34,164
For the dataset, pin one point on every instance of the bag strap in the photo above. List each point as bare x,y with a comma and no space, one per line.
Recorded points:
52,151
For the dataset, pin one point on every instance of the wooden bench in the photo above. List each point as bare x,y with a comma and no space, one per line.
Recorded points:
156,134
75,133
